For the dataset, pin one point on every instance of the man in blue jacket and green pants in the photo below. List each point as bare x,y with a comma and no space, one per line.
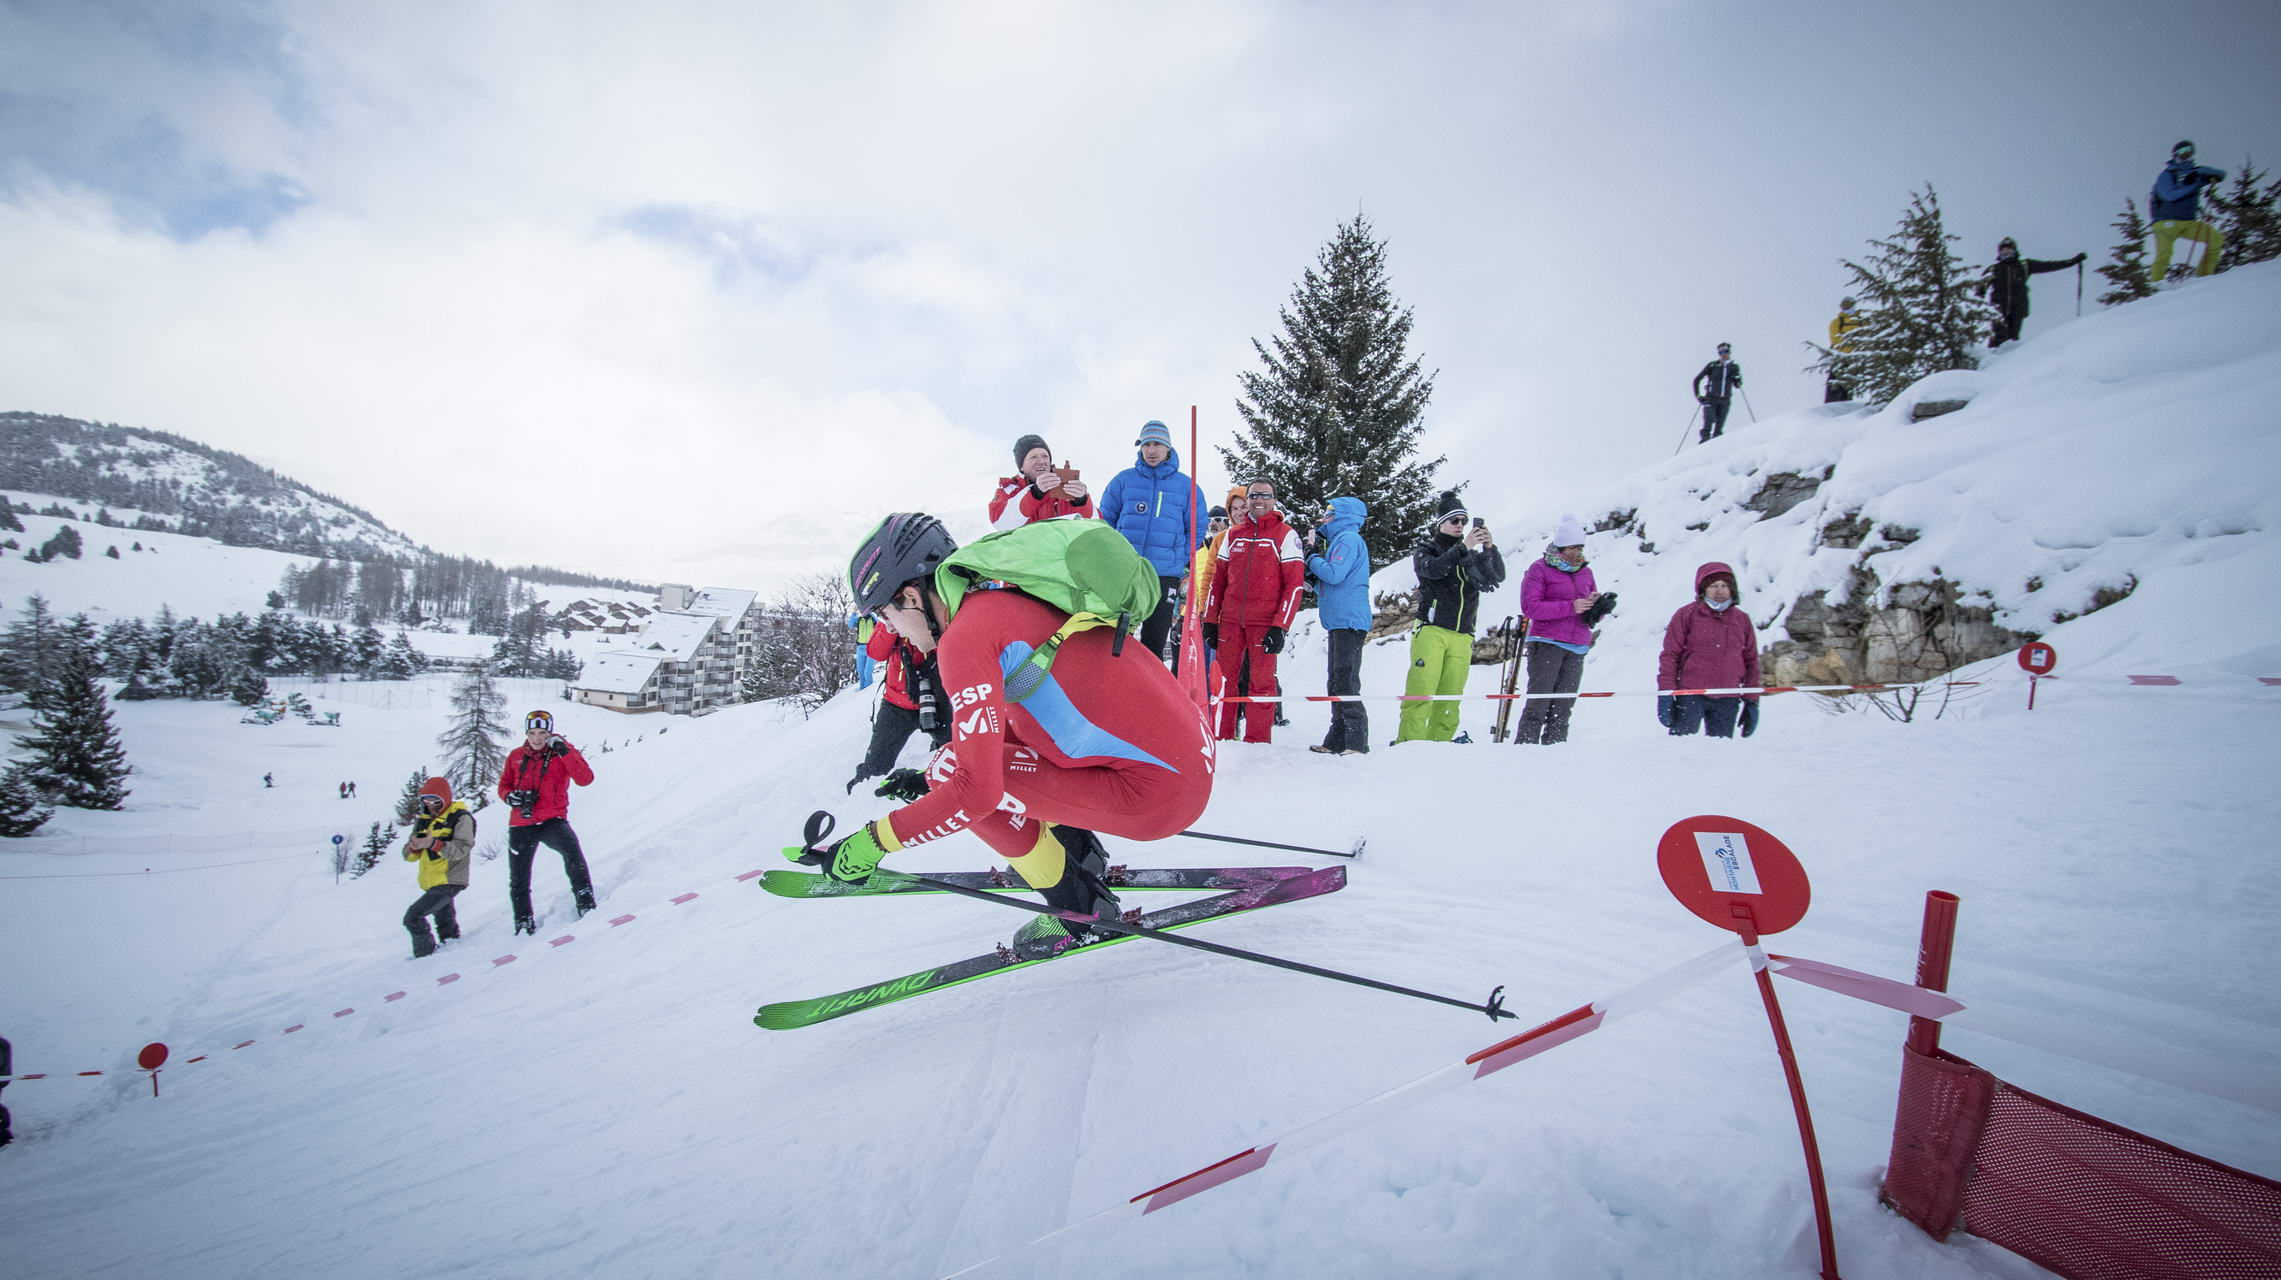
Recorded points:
1342,597
1150,503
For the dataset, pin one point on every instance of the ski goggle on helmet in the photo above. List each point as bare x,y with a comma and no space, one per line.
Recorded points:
2183,151
539,722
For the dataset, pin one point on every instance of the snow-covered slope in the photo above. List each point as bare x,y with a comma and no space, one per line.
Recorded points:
605,1107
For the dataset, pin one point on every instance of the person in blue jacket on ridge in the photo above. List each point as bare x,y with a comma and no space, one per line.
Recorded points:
2175,204
1342,598
1149,503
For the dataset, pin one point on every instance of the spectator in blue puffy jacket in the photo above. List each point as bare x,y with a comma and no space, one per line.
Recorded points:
2176,207
1342,598
1150,503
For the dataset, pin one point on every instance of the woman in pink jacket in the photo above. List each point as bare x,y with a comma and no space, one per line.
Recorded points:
1710,644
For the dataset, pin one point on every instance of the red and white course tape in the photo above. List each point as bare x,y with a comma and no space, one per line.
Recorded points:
2155,681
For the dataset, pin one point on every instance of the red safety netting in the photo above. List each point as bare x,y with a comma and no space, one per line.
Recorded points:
2085,1198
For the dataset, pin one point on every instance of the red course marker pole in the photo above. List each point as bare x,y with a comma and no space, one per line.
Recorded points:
151,1059
1737,876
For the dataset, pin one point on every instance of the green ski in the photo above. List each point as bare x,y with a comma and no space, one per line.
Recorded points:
811,884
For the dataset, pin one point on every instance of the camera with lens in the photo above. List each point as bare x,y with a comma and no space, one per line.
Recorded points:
524,799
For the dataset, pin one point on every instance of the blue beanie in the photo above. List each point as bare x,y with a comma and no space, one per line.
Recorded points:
1154,432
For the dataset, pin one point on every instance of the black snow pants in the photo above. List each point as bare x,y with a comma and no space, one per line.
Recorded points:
522,845
435,902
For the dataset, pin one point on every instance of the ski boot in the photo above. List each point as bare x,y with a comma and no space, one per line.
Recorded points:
1084,887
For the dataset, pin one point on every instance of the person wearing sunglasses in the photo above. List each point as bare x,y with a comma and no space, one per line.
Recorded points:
1714,390
1454,567
2175,205
443,835
536,786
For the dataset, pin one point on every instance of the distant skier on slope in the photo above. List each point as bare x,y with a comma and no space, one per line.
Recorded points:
2007,287
1104,740
1714,390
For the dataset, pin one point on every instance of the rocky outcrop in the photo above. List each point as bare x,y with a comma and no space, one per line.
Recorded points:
1782,491
1916,631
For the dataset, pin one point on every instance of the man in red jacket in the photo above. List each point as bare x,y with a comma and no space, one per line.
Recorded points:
1036,491
910,698
1255,593
536,786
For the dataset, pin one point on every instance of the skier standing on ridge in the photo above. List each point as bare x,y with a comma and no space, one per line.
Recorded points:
1150,503
1093,735
2006,287
2175,204
1036,491
1254,595
536,786
1723,376
1841,324
443,835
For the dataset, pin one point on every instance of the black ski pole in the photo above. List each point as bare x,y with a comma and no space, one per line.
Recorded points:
1746,405
1270,844
1689,427
1494,1007
2078,290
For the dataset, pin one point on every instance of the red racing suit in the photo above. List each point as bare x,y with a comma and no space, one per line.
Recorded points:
1109,742
1255,586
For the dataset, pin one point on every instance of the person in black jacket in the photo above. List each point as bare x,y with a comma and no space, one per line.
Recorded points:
1454,567
2007,287
1714,390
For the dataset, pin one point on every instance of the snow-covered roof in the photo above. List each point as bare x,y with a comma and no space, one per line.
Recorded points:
618,672
675,636
722,602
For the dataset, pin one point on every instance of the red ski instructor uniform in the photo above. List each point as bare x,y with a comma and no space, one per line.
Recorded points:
1255,590
1107,742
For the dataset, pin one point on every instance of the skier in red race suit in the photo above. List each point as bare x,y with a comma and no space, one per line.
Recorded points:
1108,742
1254,594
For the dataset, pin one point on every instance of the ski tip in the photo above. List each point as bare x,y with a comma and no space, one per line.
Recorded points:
1359,844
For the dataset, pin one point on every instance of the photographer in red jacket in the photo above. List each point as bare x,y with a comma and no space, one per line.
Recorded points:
536,786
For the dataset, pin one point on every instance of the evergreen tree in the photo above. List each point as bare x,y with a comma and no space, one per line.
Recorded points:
375,847
1920,313
76,757
2245,214
21,811
472,754
250,690
408,800
64,543
31,653
368,652
8,521
403,661
1335,408
2126,269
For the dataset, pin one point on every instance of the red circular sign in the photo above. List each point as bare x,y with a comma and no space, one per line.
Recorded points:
1733,874
152,1057
2038,658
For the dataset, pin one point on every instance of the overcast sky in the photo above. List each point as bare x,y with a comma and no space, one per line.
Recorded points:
698,291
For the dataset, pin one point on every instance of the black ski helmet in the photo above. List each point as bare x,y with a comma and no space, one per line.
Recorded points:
2184,150
906,545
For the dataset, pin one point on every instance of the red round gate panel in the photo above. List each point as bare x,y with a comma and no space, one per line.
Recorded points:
152,1057
1733,874
2038,658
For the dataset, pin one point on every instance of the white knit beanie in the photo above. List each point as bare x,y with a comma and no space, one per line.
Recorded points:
1570,533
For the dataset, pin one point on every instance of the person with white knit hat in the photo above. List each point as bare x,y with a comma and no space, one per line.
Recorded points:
1562,602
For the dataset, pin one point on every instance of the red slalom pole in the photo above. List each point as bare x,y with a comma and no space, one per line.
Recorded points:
1935,940
1747,926
1191,611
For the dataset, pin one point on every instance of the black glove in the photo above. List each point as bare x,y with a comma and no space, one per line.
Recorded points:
1663,703
1702,399
523,798
860,775
1211,635
1749,716
555,746
904,785
2079,259
1272,642
1600,608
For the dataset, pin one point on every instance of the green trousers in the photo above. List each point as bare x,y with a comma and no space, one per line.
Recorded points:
1438,659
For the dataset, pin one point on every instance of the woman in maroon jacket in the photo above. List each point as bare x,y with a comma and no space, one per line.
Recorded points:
1710,644
536,786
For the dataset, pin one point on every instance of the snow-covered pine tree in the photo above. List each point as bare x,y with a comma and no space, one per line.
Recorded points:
31,652
368,651
403,661
76,756
2245,214
21,811
8,521
1920,307
472,754
1335,408
374,848
408,800
2125,268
